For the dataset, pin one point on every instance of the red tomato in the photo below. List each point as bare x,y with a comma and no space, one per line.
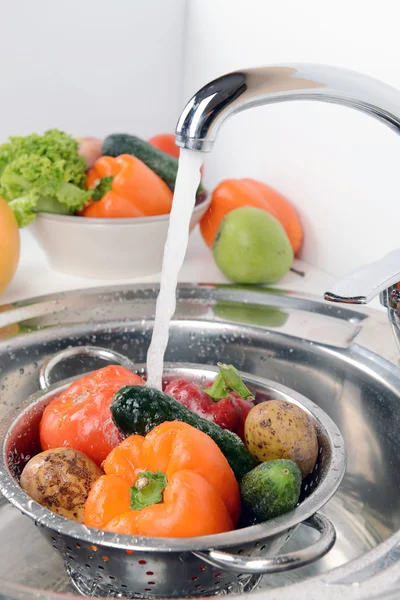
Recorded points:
80,417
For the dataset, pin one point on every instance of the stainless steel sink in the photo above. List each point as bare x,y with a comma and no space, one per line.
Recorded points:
344,360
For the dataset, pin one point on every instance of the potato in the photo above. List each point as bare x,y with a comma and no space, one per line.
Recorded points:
279,429
60,479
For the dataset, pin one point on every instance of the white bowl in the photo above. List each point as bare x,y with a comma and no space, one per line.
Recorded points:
106,248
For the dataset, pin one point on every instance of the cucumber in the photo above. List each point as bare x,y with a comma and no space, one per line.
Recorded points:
272,488
164,165
138,409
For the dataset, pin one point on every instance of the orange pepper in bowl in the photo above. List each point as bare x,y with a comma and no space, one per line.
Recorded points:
134,189
175,482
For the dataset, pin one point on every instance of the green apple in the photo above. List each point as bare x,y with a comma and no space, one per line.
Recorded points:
252,247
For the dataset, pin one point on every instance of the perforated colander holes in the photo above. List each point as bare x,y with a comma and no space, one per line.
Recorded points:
217,579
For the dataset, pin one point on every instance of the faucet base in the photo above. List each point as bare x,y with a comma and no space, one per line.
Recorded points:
345,299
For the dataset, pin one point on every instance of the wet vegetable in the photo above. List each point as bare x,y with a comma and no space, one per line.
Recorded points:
272,488
80,417
279,429
60,479
226,402
139,409
175,482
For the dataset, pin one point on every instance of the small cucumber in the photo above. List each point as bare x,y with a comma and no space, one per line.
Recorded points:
164,165
272,488
138,409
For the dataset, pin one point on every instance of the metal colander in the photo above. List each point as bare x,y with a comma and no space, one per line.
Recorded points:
105,564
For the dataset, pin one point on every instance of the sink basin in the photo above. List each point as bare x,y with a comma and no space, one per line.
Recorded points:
343,360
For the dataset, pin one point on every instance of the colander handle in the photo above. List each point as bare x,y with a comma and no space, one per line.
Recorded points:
282,562
93,351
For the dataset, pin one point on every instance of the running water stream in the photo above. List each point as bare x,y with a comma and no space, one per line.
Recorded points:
187,182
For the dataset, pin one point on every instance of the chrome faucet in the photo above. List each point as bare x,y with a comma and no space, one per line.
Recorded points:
234,92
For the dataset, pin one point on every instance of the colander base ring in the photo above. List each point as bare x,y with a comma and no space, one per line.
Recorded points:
87,586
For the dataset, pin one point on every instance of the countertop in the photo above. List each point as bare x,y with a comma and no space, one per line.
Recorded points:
35,278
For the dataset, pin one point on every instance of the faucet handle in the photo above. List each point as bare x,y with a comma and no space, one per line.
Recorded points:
363,284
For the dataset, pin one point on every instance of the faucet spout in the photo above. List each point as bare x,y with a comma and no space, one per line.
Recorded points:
234,92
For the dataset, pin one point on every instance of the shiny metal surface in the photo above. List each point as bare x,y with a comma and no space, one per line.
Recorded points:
207,110
234,92
269,333
362,285
281,562
365,283
92,351
19,438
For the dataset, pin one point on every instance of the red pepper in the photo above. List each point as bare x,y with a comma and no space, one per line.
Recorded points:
226,402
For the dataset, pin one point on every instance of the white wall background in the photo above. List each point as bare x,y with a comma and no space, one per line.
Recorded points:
90,67
339,167
93,67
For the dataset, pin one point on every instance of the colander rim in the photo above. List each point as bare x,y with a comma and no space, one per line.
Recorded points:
43,517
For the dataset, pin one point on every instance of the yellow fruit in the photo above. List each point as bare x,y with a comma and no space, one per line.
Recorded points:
9,245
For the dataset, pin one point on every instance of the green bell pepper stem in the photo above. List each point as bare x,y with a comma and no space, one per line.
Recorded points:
101,189
148,489
228,380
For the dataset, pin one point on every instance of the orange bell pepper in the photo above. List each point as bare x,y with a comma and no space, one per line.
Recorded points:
80,417
175,482
133,189
235,193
